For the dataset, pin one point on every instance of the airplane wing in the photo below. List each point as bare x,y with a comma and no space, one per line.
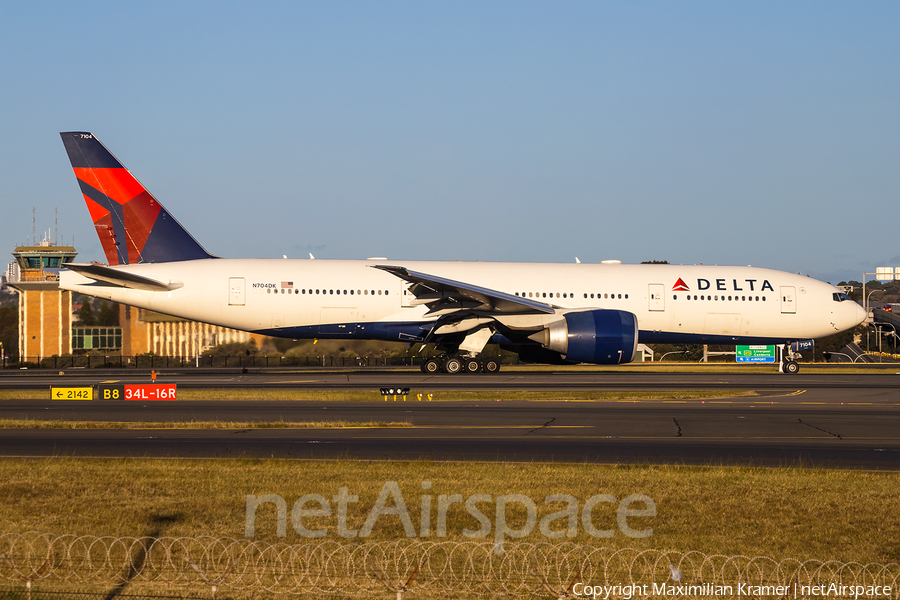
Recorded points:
443,296
122,278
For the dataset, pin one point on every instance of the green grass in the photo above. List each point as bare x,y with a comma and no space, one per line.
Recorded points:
781,513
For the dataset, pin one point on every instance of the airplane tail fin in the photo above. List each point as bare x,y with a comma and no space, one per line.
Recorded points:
132,225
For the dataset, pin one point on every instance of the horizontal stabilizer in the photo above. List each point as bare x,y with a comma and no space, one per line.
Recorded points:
123,278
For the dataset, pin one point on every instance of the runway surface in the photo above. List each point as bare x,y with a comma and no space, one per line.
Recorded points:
888,378
815,420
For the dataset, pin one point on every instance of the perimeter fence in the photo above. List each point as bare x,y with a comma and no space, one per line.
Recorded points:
253,361
36,563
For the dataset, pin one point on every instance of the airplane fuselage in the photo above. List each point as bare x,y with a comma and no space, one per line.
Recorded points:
350,299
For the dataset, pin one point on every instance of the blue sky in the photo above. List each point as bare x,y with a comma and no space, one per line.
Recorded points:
763,133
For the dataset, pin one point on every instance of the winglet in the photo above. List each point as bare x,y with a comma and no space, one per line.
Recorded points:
132,225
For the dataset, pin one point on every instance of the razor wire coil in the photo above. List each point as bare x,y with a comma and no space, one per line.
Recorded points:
419,568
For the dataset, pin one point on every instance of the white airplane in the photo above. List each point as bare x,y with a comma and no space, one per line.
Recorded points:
553,313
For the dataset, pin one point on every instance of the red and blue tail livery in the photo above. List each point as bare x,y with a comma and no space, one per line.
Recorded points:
132,225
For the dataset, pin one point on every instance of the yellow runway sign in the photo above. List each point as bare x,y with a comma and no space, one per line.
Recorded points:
71,393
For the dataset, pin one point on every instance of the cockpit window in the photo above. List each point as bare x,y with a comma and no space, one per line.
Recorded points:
840,297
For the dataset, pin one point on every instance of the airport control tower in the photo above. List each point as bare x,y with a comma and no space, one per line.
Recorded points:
45,311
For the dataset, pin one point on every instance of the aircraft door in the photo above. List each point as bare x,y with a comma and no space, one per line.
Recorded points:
657,295
406,296
236,291
788,298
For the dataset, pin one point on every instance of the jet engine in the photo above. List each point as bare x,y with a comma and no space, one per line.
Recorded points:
603,337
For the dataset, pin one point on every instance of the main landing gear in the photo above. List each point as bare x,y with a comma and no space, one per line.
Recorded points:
454,364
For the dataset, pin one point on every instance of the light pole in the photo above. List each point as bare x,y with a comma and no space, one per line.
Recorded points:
879,327
880,274
866,298
869,296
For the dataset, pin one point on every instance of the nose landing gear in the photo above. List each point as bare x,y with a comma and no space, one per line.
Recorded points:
789,354
790,366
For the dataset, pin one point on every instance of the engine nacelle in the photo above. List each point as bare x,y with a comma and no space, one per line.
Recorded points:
603,337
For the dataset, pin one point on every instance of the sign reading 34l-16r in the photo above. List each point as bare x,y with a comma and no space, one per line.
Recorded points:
138,391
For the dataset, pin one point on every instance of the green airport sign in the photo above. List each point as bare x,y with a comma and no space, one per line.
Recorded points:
755,354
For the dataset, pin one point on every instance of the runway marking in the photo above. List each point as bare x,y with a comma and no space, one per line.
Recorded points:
794,393
112,381
763,437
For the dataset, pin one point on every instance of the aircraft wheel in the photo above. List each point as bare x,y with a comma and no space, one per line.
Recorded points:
472,365
791,367
431,366
491,366
452,365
